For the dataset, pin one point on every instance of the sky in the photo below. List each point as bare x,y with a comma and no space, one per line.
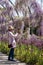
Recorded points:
41,4
13,1
39,1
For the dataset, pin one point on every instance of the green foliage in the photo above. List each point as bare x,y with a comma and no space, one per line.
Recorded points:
4,47
29,54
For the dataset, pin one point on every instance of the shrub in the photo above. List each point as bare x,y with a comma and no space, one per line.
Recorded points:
29,54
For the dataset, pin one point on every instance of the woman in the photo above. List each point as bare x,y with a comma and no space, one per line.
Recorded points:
12,42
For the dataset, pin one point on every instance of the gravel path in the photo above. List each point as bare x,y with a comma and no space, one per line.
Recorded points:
4,61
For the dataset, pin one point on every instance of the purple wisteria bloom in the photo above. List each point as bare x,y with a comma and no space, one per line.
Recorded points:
36,7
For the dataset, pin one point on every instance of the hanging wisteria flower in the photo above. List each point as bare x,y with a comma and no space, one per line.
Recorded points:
36,7
36,41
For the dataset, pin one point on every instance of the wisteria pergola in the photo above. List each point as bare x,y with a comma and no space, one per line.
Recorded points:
8,9
32,17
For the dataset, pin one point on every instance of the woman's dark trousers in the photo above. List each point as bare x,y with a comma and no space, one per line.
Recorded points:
11,54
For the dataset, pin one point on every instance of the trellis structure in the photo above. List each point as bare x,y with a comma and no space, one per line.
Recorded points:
27,21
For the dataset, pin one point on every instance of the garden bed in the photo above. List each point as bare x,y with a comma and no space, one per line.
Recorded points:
25,53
